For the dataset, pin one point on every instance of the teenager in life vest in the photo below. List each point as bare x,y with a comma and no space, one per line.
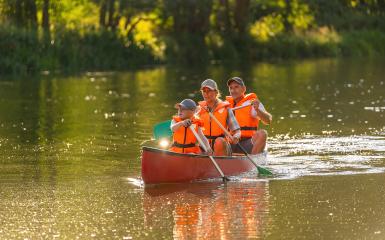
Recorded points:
220,109
252,139
184,140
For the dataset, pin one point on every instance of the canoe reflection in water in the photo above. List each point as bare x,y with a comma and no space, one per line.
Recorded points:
209,210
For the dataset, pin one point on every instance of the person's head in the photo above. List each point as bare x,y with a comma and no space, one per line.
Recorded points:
186,108
237,87
210,90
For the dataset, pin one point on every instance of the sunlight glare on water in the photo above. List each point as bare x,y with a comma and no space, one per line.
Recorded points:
327,155
70,156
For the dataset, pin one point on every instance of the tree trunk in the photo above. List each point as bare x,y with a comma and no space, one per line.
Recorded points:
241,15
17,13
31,13
227,16
45,23
111,12
286,23
102,14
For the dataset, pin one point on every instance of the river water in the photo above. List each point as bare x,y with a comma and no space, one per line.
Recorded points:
70,156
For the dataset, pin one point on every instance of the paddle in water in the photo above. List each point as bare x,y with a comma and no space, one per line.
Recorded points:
211,157
162,130
261,170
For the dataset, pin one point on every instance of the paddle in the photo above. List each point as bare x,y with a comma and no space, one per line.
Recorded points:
162,130
242,106
261,170
211,157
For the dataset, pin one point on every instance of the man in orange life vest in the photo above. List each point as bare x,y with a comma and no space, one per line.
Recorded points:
252,139
221,110
184,140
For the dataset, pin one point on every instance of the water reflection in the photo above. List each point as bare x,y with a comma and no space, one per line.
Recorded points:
210,210
67,141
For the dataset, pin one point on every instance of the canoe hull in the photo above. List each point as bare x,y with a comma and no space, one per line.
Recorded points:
161,166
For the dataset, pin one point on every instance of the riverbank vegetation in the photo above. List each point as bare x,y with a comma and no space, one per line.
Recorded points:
100,35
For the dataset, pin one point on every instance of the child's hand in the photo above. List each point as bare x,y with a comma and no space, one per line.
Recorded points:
187,123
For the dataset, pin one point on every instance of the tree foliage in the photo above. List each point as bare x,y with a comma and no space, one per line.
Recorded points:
185,31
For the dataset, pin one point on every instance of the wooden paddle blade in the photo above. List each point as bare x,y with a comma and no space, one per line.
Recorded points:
264,171
225,179
162,130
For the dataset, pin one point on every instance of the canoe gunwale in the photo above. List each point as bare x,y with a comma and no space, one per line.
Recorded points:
184,155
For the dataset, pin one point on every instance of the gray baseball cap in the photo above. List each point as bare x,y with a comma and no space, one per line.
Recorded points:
187,104
237,80
209,83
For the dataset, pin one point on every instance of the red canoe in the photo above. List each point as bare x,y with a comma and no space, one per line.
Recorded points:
162,166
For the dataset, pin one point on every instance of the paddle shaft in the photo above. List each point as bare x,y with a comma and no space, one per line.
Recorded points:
205,148
242,106
239,145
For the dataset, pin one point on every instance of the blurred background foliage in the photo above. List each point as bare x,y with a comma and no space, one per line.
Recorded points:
100,35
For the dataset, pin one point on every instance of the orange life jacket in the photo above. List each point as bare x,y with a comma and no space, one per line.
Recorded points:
211,128
184,140
247,123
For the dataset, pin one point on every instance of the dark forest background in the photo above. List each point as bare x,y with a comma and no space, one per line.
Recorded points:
99,35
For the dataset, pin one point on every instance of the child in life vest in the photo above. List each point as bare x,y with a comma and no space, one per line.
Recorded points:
184,140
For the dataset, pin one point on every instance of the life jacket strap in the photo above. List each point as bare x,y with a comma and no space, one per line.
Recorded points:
214,137
249,128
180,145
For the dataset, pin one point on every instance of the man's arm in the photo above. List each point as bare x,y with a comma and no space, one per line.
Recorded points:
234,127
259,111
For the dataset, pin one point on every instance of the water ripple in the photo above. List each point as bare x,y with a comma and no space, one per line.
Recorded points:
319,155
